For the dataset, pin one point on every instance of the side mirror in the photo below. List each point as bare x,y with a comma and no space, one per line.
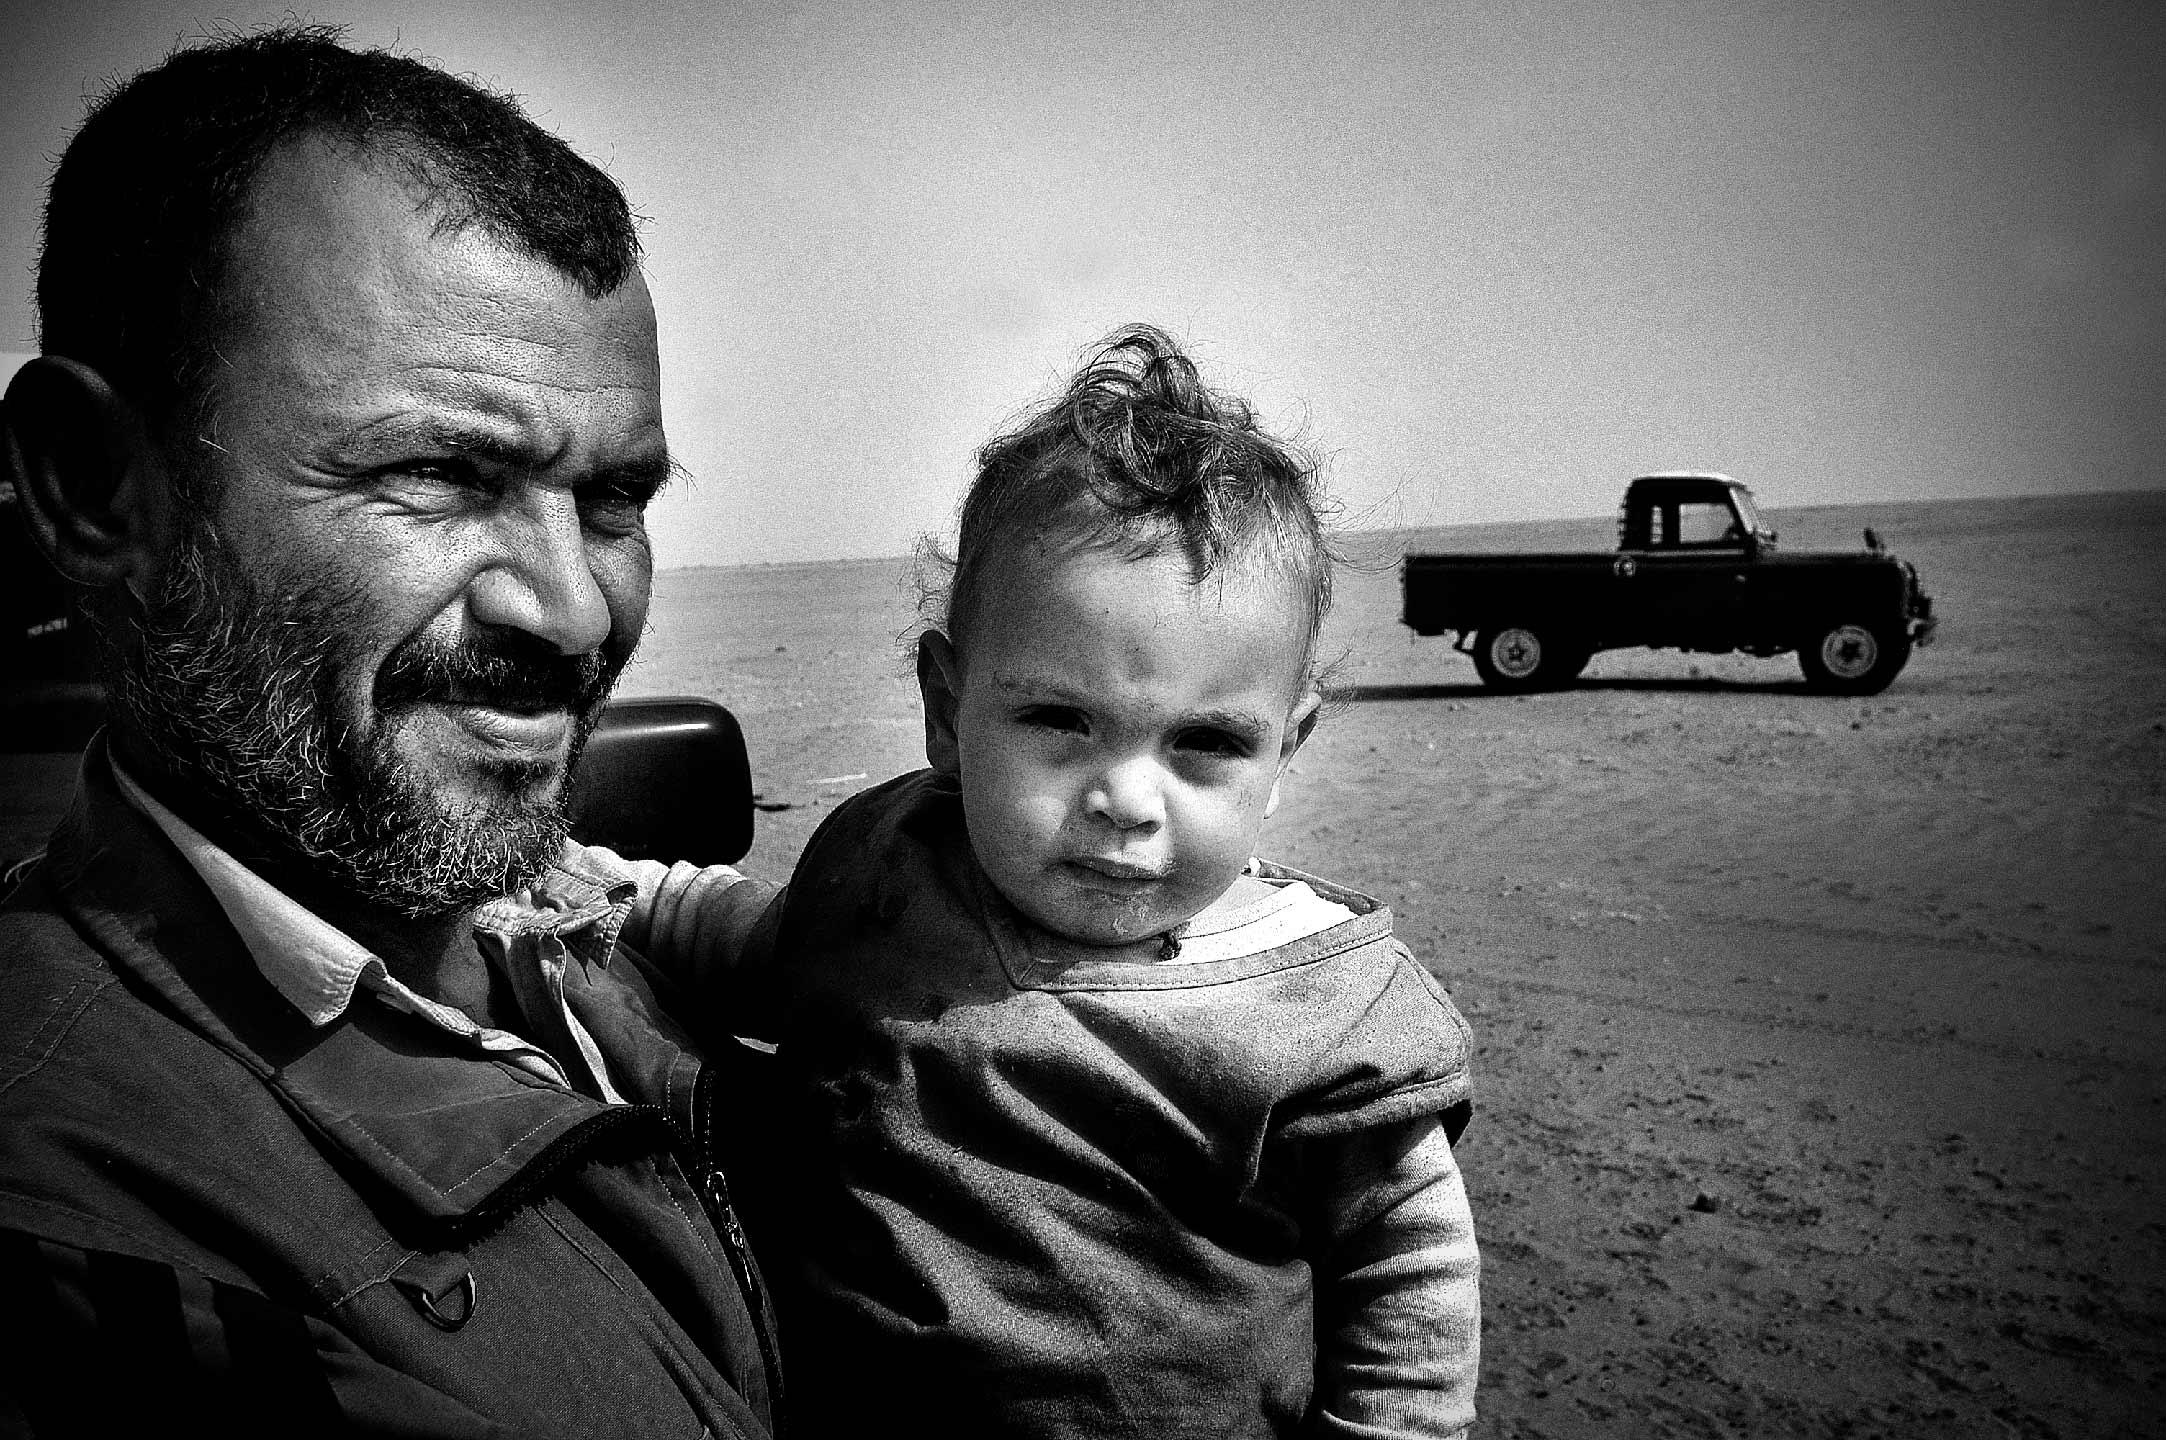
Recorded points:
665,778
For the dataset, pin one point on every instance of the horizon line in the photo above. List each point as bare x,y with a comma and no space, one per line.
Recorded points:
2158,485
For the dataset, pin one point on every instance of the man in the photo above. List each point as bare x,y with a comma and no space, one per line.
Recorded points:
327,1096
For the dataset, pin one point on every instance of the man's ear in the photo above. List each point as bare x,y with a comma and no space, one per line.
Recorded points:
940,683
94,488
1299,722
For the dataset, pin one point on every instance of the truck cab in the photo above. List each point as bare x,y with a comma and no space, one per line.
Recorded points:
1687,544
1690,511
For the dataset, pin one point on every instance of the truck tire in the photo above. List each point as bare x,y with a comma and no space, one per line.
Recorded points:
1521,657
1850,657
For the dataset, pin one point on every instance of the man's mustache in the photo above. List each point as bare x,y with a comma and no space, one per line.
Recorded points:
512,671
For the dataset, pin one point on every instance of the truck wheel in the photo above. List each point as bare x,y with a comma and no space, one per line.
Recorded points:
1519,658
1852,658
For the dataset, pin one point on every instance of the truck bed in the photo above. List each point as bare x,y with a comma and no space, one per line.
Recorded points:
1455,592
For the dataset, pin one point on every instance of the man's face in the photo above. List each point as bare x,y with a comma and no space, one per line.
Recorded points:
1119,730
430,462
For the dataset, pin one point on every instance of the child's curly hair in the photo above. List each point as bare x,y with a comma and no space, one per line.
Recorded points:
1140,456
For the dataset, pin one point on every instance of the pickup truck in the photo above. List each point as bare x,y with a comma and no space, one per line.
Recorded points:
1694,569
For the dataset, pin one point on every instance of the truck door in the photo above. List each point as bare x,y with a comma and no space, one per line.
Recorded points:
1691,580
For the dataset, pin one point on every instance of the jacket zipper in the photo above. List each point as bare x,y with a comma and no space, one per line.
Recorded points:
715,1190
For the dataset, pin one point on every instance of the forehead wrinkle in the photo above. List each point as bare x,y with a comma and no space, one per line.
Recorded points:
509,392
1031,683
463,411
488,433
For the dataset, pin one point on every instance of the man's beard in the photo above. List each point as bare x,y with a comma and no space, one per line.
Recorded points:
235,688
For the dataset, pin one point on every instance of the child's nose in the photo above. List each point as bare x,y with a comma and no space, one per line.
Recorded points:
1128,796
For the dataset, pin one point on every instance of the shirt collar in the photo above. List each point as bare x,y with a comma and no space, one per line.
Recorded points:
310,961
582,886
317,967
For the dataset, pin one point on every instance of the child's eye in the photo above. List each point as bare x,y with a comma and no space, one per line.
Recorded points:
1213,742
1064,718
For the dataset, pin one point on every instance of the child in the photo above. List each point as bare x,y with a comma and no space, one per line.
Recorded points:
1091,1124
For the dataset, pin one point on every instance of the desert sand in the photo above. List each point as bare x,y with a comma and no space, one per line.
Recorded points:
1820,1085
1822,1089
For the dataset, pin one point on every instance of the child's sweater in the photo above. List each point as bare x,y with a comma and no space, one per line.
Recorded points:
1011,1187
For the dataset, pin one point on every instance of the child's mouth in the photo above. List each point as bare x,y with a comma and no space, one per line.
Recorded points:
1125,874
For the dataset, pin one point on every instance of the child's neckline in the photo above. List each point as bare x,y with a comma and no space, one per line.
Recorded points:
1247,900
1290,911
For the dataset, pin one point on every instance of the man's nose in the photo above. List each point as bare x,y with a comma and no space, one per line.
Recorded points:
1128,795
540,578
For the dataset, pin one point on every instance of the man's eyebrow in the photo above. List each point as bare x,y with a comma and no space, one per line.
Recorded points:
440,433
504,445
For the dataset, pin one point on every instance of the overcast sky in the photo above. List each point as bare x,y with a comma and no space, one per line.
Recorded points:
1493,258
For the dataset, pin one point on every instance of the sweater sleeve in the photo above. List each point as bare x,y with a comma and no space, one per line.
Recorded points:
710,929
98,1343
1398,1289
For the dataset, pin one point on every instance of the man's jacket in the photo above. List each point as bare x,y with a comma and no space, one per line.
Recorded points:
212,1211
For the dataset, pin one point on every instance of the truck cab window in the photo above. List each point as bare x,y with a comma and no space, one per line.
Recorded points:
1706,523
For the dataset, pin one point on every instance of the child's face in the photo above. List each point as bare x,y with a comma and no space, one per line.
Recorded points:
1118,732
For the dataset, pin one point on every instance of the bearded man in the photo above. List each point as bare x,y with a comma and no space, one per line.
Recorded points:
328,1097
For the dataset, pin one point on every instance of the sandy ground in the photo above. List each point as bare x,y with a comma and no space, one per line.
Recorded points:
1821,1076
1821,1079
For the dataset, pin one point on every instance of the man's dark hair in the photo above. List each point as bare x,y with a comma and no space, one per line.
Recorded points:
1140,456
149,190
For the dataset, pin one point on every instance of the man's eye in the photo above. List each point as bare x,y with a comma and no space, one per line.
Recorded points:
452,472
1062,718
614,506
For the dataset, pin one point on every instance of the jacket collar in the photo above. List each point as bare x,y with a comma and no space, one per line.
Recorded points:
446,1131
